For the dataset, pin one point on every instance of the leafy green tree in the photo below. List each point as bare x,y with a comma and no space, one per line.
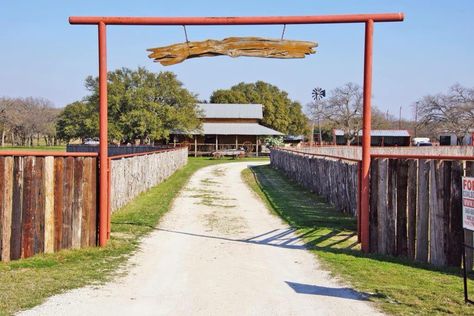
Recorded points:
279,111
77,120
142,105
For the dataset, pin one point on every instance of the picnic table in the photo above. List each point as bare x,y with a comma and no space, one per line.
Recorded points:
235,153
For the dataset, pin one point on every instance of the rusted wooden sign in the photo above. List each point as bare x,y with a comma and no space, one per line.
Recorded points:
233,47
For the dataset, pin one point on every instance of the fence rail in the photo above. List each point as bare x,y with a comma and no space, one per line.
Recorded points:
131,175
415,199
334,178
416,208
47,203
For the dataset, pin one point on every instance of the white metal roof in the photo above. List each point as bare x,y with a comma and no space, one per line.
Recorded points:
380,132
241,111
234,129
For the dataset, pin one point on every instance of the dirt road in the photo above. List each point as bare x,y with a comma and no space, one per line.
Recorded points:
217,252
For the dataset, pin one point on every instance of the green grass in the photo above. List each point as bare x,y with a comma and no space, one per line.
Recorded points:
396,285
28,282
34,148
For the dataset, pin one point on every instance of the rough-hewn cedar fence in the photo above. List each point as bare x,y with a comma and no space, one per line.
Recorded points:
416,209
134,174
48,201
336,179
415,204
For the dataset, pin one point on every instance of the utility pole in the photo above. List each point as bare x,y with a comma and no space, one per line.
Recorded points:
400,119
416,115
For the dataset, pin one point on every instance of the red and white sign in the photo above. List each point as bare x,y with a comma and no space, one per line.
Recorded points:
468,203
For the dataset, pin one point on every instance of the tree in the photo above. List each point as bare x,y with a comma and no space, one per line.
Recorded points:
77,120
279,111
141,105
343,109
452,112
25,119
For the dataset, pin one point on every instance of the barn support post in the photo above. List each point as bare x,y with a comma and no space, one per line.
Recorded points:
256,145
103,139
366,131
195,145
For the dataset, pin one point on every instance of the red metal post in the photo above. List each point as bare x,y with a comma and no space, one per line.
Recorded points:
366,131
103,139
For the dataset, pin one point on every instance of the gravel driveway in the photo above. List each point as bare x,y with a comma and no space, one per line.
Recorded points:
217,252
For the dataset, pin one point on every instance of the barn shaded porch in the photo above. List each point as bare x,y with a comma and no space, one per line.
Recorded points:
205,145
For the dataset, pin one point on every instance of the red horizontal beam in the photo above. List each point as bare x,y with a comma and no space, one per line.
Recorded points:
46,153
427,157
241,20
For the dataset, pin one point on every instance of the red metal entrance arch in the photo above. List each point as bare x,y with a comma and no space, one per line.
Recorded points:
367,19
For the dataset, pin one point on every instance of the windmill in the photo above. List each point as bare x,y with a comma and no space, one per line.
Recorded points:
318,94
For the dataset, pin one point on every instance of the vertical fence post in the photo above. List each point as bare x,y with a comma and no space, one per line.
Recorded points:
103,140
366,131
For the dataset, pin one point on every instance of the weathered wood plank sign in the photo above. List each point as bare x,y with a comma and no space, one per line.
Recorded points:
233,47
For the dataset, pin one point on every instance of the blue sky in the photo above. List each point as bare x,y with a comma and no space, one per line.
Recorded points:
42,55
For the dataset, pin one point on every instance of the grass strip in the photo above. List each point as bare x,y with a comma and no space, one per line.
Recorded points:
397,285
28,282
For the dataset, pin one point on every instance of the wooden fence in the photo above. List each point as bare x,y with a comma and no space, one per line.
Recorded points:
333,178
134,174
47,203
416,209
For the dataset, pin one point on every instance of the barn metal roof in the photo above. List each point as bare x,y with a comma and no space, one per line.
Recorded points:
380,133
234,129
241,111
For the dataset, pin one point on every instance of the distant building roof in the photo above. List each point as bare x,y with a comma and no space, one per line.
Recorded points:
380,133
234,129
240,111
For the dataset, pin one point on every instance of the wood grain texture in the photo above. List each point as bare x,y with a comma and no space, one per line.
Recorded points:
422,215
68,195
412,185
373,217
437,247
38,206
401,207
233,47
454,205
77,203
94,210
382,205
58,202
17,208
7,208
27,215
48,187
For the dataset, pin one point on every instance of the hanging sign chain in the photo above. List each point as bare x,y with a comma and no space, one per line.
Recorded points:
283,32
185,34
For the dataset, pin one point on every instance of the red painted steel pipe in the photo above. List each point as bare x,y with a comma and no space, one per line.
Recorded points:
366,131
46,153
241,20
103,139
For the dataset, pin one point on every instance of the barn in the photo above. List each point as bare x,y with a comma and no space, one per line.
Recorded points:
381,137
227,126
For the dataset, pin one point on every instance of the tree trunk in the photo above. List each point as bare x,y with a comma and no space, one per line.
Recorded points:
3,137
